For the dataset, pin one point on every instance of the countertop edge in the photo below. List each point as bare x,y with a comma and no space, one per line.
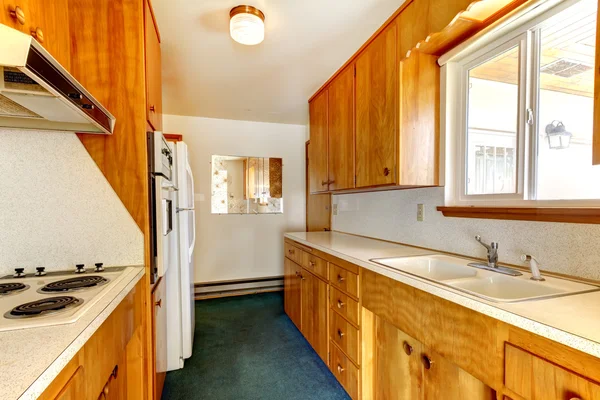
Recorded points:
549,332
54,369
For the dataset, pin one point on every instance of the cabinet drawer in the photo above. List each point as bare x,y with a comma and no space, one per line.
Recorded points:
534,378
344,280
293,253
344,305
314,264
344,335
345,372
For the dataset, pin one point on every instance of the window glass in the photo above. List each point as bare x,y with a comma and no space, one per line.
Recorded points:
566,102
493,101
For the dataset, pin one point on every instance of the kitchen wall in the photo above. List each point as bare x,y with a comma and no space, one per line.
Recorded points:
572,249
232,247
56,207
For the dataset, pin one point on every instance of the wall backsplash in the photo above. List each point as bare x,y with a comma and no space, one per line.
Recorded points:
56,207
572,249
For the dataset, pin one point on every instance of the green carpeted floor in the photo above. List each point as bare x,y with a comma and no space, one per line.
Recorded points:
247,348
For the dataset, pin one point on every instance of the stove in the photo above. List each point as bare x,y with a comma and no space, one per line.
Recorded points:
38,299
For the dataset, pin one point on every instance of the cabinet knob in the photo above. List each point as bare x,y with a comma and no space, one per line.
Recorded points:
38,34
340,304
427,362
312,263
18,14
340,369
105,390
152,108
158,303
291,251
330,182
407,348
323,183
302,277
340,333
340,279
386,171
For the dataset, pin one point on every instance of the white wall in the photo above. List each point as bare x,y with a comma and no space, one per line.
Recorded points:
572,249
56,207
242,246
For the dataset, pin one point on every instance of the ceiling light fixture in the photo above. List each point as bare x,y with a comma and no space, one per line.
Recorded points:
247,25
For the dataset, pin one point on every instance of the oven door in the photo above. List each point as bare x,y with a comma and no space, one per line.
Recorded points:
165,214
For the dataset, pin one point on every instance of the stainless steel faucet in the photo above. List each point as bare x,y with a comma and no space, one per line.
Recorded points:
492,252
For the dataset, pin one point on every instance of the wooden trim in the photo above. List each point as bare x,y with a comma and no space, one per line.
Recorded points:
173,137
545,214
388,22
154,20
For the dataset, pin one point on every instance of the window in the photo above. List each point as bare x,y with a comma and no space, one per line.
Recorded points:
524,101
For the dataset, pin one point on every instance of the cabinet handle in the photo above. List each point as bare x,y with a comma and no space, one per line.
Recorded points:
330,182
427,362
386,171
105,390
340,333
152,108
18,14
38,34
340,369
158,303
302,277
407,348
340,304
312,264
340,279
291,251
323,183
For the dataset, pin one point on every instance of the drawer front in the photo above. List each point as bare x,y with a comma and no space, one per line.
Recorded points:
314,264
344,280
534,378
344,335
344,305
345,372
293,253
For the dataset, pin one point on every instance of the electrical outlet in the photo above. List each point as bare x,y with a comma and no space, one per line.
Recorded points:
420,213
334,209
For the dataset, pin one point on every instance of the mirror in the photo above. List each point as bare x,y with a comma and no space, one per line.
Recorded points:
246,185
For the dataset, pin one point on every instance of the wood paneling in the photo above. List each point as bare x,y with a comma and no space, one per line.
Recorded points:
345,306
419,121
292,292
596,135
53,19
534,378
376,116
550,214
345,371
345,336
341,131
344,280
153,69
314,312
412,27
317,157
314,264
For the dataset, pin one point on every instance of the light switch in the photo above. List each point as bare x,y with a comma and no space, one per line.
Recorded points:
420,213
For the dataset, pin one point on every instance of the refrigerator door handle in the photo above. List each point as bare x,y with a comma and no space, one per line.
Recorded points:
185,209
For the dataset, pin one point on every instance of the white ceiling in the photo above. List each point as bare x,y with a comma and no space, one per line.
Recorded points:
206,73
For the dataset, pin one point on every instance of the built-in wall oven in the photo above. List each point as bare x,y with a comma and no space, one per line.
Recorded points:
162,202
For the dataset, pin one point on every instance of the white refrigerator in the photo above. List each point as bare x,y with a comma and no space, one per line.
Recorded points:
180,280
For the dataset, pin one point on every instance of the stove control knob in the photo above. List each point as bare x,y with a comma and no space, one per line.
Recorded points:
40,271
79,268
99,267
19,272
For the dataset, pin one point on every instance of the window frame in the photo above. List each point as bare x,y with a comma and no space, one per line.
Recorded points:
455,87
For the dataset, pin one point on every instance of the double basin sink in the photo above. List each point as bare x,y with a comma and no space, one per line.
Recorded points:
489,285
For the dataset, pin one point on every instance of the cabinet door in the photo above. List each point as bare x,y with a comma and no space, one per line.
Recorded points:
153,71
341,131
74,388
49,25
317,158
10,10
291,292
314,312
376,111
419,120
160,336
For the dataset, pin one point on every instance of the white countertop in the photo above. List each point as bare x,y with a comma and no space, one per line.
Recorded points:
31,358
571,320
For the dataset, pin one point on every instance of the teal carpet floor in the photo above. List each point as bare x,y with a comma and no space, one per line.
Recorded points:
247,348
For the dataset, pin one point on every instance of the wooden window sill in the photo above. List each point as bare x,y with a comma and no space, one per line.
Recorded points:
545,214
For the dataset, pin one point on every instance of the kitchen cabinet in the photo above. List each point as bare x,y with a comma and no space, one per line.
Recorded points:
292,292
376,115
153,69
16,14
317,158
341,131
160,335
314,312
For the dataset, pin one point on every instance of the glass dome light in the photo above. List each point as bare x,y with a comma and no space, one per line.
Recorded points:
247,25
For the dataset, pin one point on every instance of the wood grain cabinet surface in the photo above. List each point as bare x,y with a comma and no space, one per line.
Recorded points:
317,158
314,312
160,335
292,292
153,69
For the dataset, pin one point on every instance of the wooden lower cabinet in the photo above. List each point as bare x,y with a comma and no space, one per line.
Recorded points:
292,292
314,312
160,336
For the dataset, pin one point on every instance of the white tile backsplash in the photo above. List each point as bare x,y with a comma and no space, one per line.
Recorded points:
572,249
57,208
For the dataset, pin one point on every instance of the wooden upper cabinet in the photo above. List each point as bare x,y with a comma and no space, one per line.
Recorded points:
16,14
317,158
419,121
153,70
341,131
376,111
596,134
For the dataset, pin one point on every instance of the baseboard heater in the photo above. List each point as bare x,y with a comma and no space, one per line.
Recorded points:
238,287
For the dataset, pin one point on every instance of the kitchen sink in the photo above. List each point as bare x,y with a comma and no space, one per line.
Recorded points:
454,272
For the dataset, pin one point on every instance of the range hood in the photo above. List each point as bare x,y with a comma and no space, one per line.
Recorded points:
36,92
